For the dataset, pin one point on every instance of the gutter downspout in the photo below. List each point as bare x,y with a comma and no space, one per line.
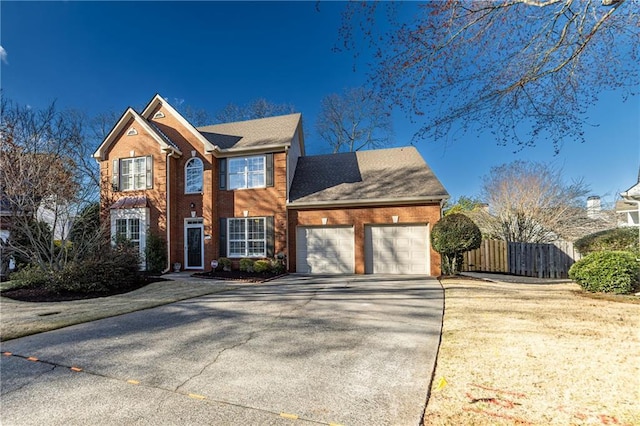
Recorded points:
168,201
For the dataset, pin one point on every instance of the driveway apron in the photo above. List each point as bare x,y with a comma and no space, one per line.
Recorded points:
351,350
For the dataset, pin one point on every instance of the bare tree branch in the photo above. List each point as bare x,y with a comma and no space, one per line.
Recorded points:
354,120
525,70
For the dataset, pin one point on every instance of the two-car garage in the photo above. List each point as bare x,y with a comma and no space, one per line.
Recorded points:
388,249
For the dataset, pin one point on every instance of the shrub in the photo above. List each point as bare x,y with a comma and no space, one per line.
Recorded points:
109,270
30,276
246,265
607,271
261,266
453,235
155,253
225,262
278,266
612,239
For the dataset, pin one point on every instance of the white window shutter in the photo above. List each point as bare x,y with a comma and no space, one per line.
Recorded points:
149,164
115,175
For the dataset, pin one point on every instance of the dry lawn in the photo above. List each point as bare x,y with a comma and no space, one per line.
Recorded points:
537,354
18,319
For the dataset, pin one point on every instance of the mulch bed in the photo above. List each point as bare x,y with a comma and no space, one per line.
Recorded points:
43,295
236,275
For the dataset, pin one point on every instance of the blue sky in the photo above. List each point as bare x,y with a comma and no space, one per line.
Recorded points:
104,56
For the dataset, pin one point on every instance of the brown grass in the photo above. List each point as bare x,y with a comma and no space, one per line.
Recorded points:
535,354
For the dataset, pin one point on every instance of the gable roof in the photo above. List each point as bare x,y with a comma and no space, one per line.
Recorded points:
165,143
384,176
261,133
158,100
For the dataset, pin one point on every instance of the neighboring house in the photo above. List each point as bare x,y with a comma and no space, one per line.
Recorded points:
628,208
247,190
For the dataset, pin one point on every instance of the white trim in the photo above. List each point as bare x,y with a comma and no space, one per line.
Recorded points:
246,172
100,153
142,214
373,202
199,224
246,237
159,100
191,160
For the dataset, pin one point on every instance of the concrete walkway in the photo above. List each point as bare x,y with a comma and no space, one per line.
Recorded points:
505,278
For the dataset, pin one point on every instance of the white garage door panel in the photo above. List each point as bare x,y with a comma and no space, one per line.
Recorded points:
398,249
326,250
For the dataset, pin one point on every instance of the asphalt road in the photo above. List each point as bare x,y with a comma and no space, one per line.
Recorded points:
356,350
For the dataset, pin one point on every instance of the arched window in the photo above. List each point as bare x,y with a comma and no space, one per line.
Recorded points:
193,176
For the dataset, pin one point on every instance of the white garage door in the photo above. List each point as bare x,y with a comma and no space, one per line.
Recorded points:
326,250
397,249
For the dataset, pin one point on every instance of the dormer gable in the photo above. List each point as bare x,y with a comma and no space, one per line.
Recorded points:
131,124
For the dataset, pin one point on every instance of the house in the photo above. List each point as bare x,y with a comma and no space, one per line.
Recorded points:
247,190
628,208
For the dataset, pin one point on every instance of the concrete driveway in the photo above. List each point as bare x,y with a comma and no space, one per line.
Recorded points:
356,350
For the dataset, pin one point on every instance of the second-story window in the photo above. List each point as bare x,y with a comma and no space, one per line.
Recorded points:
193,176
134,173
247,172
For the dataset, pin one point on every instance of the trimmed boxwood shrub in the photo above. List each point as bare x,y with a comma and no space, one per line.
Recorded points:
607,271
246,265
225,263
452,236
261,266
155,253
612,239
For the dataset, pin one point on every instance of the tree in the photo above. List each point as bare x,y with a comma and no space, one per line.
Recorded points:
530,202
258,108
525,70
42,179
463,205
452,236
354,120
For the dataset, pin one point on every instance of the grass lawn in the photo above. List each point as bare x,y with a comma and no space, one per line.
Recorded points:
539,354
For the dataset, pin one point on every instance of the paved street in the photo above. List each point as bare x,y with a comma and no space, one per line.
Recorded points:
356,350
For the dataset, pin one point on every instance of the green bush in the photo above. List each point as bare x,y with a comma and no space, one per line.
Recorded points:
625,239
155,253
261,266
30,276
225,262
607,271
109,270
246,265
452,236
278,266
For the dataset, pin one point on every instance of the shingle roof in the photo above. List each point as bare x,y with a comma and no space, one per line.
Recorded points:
385,174
256,133
130,203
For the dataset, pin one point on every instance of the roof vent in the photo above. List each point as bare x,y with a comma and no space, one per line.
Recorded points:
132,131
158,114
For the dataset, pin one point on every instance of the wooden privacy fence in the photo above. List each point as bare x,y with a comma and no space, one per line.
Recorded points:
525,259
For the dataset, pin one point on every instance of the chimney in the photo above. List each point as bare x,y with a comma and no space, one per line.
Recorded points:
593,207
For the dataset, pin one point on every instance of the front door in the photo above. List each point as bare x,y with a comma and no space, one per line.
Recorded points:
194,244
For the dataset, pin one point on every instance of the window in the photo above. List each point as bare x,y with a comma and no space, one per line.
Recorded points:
193,176
131,225
128,229
135,173
247,172
247,237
